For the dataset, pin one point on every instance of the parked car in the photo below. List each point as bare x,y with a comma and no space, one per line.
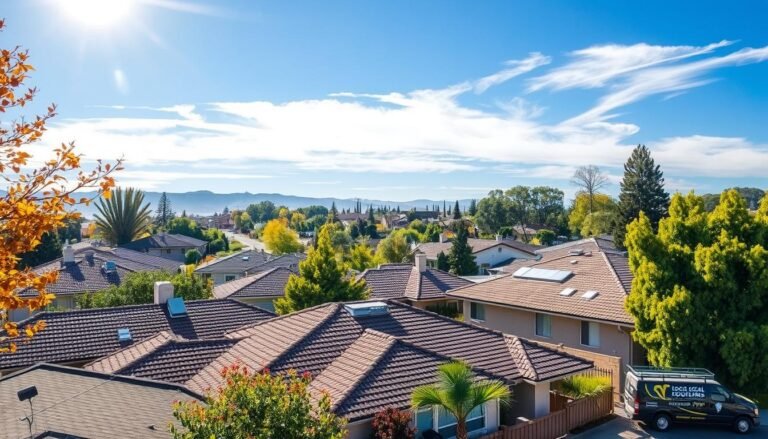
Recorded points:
659,397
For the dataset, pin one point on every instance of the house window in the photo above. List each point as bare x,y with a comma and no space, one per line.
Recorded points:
446,422
168,251
477,311
229,277
590,334
543,325
424,419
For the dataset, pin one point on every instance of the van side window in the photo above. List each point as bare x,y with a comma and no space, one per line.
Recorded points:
718,394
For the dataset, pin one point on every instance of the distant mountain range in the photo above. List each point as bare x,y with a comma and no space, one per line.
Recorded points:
207,202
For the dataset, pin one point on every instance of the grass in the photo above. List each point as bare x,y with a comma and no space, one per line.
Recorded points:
579,386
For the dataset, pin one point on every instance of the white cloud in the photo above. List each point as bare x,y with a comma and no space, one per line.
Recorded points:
431,130
121,81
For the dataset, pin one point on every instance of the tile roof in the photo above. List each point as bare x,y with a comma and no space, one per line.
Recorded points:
393,281
164,240
86,275
82,335
78,403
269,283
235,263
432,249
594,270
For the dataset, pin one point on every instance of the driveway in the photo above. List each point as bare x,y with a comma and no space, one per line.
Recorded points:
624,428
248,243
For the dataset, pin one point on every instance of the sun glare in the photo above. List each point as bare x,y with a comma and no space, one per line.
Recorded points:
97,13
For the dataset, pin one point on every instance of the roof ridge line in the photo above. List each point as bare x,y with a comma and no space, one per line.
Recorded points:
524,364
171,337
259,323
296,342
612,269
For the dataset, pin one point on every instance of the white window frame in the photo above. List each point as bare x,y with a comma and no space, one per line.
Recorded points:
589,326
476,304
436,419
227,277
536,325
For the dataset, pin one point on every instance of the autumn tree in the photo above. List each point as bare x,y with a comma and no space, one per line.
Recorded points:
590,180
700,289
36,201
642,190
322,278
123,217
280,239
259,406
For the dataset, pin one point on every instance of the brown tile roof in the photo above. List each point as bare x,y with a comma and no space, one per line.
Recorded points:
164,240
88,404
245,260
83,335
432,249
591,271
398,281
127,355
269,283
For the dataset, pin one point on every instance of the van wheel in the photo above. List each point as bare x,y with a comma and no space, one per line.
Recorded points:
662,422
742,425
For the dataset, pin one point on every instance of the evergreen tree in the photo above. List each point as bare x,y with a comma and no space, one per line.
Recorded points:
371,218
322,278
460,257
164,214
699,289
48,250
334,211
642,190
442,262
456,211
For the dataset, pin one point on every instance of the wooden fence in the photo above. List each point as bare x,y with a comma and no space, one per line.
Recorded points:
558,423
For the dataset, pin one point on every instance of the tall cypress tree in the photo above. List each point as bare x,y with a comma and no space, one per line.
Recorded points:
460,257
642,190
456,211
442,262
164,213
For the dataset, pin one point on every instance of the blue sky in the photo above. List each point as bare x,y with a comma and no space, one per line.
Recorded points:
400,99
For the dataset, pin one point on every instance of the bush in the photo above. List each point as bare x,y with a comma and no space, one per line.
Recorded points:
444,309
580,386
139,288
192,256
546,236
217,245
392,423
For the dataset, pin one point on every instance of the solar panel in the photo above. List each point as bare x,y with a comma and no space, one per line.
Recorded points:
589,295
544,274
176,307
568,292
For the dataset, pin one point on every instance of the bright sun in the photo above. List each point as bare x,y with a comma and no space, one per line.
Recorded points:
97,13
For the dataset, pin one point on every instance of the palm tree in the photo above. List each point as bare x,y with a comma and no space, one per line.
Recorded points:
122,218
458,392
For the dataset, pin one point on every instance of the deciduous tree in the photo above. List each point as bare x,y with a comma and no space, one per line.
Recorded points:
322,278
590,179
395,248
279,239
259,406
642,190
138,288
361,257
700,289
36,201
600,220
493,212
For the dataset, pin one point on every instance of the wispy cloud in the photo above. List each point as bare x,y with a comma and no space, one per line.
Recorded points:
433,130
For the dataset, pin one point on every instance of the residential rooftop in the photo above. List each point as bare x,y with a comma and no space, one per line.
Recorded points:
270,283
590,267
432,249
405,281
79,336
250,261
163,240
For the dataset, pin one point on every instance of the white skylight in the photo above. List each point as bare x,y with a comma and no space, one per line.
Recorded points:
568,292
542,274
589,295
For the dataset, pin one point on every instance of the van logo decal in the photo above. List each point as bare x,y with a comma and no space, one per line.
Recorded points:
660,390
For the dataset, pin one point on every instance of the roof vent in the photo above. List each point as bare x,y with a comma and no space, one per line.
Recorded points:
568,292
124,335
574,262
176,307
365,309
589,295
245,258
576,252
109,267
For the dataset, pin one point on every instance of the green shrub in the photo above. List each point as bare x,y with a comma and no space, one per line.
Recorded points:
192,256
444,309
580,386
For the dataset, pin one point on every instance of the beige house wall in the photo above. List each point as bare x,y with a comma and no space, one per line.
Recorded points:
614,352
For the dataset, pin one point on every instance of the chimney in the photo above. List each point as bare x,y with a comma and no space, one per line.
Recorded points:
498,237
421,262
68,254
163,292
442,238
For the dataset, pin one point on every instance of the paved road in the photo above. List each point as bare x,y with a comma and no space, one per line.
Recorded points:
248,243
621,427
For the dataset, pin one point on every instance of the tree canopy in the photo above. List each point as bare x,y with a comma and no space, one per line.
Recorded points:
139,288
259,406
38,195
322,278
279,238
642,190
601,219
395,248
700,290
164,213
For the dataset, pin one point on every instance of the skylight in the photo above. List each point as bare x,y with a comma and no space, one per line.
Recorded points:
589,295
176,307
544,274
568,292
124,334
364,309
